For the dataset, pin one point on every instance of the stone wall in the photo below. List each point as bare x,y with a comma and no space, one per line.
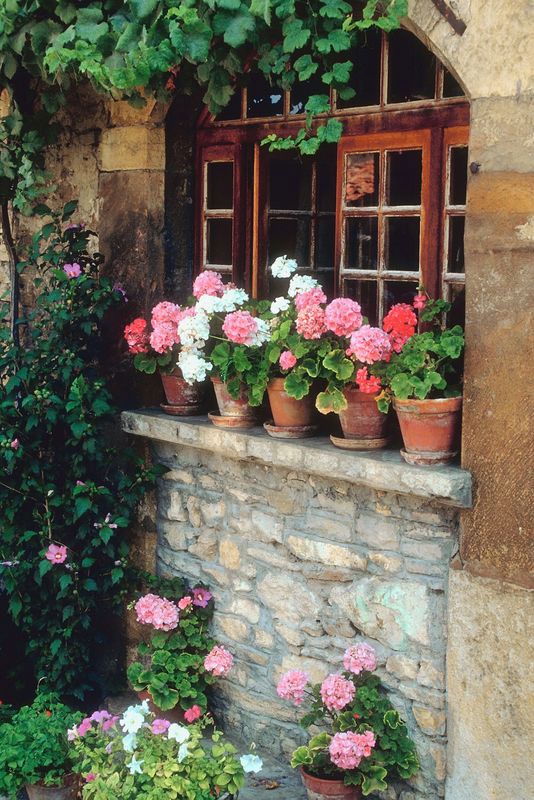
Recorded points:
302,565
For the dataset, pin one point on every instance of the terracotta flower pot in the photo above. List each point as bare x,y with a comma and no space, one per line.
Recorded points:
69,790
326,789
288,412
430,429
362,420
229,407
171,715
183,399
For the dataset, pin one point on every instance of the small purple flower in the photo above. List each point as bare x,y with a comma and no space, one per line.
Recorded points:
72,270
117,287
74,226
15,444
201,597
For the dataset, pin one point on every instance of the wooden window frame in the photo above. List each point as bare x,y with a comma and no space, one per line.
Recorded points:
452,137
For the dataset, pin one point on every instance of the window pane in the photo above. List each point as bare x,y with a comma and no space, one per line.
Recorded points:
324,242
365,79
366,294
451,87
219,241
326,178
404,176
361,243
398,292
455,258
456,315
411,69
402,243
300,94
289,183
233,109
220,189
361,179
458,176
263,100
289,237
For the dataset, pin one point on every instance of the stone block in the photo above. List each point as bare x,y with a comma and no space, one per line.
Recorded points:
431,676
205,546
386,561
212,513
175,535
263,638
290,635
428,551
429,720
377,531
422,695
170,505
193,509
317,669
234,628
133,147
402,667
243,607
324,552
288,597
229,555
275,558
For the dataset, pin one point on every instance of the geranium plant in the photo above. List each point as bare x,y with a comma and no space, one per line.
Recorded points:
139,757
181,659
34,747
156,345
363,740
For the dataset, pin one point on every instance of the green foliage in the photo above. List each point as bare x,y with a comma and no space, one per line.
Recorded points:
34,747
127,49
63,480
172,663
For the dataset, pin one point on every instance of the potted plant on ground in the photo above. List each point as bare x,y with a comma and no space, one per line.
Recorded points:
364,743
180,660
34,751
140,757
423,380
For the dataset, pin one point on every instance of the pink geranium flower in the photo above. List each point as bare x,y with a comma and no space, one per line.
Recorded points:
366,383
337,692
56,553
313,297
420,301
90,777
201,597
343,316
184,603
311,322
208,282
359,658
241,327
369,345
72,270
347,749
219,661
287,360
136,336
291,686
159,612
192,714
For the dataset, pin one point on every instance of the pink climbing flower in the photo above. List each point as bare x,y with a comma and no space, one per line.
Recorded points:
192,714
313,297
311,322
159,612
420,300
72,270
160,726
369,345
201,597
84,726
337,692
287,360
343,316
185,602
347,749
291,686
208,282
56,553
219,661
359,658
15,444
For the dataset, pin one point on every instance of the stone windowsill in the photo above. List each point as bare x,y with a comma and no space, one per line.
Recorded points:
383,471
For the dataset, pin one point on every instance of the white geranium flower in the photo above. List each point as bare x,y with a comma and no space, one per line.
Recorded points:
262,335
193,366
301,283
279,304
209,304
232,299
284,267
129,742
132,720
178,732
194,331
251,763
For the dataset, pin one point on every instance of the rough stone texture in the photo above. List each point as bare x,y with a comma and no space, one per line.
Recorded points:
489,683
293,590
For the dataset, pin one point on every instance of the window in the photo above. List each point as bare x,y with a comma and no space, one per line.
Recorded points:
371,217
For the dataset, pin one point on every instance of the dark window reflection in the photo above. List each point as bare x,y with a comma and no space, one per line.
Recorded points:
398,292
301,92
404,178
458,176
456,260
361,180
263,100
289,237
220,179
456,315
326,178
233,109
402,243
451,87
289,183
361,243
219,241
365,79
411,69
366,294
324,242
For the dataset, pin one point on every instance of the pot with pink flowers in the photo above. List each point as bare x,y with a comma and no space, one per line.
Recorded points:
359,740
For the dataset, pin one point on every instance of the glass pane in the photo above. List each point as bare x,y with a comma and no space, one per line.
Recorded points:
233,109
366,294
219,241
263,100
402,243
411,69
326,178
458,176
404,177
456,315
361,179
289,237
451,87
455,256
398,292
220,189
300,94
324,242
361,243
365,79
289,183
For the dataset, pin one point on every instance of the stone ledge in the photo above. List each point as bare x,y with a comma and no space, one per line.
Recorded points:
383,471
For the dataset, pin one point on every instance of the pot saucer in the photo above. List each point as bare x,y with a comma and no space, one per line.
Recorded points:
231,422
428,459
290,431
358,444
181,411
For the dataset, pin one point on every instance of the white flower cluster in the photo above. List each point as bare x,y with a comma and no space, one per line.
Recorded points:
279,304
262,335
133,720
231,299
283,267
194,331
194,367
301,283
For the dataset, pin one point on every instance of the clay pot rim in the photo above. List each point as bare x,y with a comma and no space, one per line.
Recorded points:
322,780
437,405
69,779
353,389
275,383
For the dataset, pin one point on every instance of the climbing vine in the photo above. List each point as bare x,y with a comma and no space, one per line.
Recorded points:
137,48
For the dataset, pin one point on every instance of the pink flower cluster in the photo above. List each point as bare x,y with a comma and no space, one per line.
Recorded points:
102,718
368,384
420,300
369,345
359,658
401,323
312,297
337,692
192,714
160,726
157,611
208,282
72,270
291,686
343,316
219,661
241,327
165,319
311,322
136,336
56,553
347,749
287,360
